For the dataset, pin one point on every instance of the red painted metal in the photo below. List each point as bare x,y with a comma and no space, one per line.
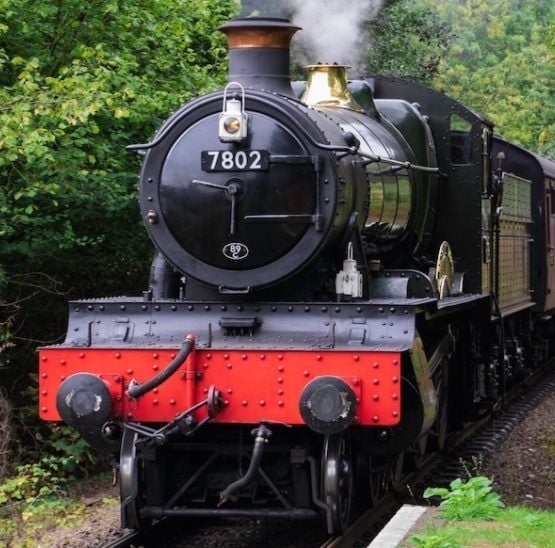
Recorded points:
256,385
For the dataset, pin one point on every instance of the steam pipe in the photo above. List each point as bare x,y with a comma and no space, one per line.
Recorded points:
137,390
262,434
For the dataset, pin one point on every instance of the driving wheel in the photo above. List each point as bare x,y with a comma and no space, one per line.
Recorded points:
337,478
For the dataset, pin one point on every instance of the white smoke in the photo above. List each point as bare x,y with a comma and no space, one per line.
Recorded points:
333,30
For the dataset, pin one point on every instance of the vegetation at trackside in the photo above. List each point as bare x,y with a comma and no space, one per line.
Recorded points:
475,516
81,80
25,523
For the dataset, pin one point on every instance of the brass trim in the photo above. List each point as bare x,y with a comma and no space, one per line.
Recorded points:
327,86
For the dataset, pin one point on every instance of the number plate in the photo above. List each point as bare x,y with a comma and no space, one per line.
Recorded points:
235,160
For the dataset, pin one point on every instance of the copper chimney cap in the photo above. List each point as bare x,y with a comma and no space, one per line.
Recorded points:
259,32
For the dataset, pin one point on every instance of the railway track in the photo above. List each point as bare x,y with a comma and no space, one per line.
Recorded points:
468,449
473,445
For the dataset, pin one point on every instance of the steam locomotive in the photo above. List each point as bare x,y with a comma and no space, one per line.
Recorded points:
345,272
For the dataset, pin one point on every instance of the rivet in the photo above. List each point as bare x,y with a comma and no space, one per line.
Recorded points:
356,358
173,307
319,358
155,391
157,308
205,365
118,355
208,356
324,309
281,368
226,356
375,418
280,392
130,371
280,403
280,357
172,402
229,390
240,308
101,307
90,307
190,308
395,396
117,379
306,373
44,392
380,310
155,356
44,409
280,380
244,403
226,402
375,365
44,359
62,377
229,366
375,397
155,367
205,390
244,357
155,402
307,308
395,413
376,381
290,309
395,379
81,355
356,382
337,309
129,415
395,362
63,362
262,356
122,307
262,403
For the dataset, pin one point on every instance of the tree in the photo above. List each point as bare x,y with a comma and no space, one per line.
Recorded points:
501,63
78,82
408,39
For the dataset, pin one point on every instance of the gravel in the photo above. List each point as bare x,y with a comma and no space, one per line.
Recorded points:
523,469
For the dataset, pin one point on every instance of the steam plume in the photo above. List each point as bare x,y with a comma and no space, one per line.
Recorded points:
333,30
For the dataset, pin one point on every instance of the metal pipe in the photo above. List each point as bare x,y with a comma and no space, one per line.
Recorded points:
136,390
262,434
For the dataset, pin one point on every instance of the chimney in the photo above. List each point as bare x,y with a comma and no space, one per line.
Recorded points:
259,52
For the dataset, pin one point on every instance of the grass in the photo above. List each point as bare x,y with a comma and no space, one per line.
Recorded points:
514,527
474,517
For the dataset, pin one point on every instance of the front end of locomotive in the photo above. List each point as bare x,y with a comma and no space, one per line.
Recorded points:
266,367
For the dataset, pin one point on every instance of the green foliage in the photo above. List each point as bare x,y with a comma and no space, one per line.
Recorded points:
68,456
473,499
501,63
78,82
409,39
